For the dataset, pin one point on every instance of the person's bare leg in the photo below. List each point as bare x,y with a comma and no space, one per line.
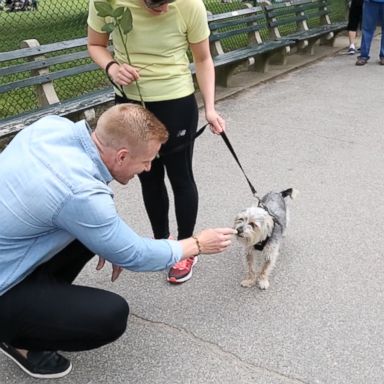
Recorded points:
23,352
352,38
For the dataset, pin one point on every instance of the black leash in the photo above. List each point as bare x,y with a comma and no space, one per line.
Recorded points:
229,145
254,192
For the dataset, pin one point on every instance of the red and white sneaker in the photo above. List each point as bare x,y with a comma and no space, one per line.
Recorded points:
181,271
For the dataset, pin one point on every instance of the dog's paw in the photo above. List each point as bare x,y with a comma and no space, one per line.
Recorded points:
248,283
263,284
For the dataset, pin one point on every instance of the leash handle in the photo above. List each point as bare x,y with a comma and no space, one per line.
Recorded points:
228,144
117,86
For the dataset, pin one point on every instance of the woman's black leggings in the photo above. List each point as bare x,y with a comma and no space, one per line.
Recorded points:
45,311
180,116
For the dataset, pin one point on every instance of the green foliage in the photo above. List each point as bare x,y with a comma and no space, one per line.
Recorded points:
122,17
126,21
103,9
109,27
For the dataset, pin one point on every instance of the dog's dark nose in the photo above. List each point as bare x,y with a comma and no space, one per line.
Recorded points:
239,231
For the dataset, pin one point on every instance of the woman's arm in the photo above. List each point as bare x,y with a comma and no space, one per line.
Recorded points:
97,48
205,74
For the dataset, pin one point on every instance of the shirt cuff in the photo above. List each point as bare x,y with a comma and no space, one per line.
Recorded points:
177,252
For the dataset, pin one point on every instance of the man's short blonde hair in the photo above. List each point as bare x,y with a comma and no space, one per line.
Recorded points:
127,125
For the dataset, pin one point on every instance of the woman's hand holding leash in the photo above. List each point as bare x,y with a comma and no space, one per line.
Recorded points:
216,122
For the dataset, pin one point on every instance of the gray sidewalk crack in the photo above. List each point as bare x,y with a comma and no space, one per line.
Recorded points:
213,347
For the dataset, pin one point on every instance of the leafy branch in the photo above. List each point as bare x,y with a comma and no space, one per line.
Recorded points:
122,20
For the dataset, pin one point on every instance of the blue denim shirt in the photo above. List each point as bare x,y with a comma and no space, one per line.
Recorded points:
53,189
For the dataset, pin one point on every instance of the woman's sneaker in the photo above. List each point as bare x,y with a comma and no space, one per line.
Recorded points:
39,364
181,271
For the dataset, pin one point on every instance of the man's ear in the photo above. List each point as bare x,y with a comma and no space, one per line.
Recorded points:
121,155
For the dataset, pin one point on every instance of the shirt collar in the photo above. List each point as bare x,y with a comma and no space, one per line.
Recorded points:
84,131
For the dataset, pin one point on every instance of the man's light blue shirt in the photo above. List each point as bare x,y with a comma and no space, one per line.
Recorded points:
54,189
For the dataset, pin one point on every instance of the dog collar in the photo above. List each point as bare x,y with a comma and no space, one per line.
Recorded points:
274,218
260,246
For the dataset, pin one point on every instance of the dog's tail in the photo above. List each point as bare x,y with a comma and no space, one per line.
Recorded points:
291,192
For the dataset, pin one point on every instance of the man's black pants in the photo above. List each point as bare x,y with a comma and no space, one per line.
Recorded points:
46,311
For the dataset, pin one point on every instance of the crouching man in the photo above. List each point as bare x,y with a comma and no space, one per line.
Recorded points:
57,212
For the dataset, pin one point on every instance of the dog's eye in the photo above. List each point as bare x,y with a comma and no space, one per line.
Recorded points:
253,225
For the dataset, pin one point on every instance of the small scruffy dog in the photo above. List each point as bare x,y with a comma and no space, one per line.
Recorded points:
262,228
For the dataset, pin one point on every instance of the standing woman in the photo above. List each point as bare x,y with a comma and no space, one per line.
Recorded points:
157,45
354,23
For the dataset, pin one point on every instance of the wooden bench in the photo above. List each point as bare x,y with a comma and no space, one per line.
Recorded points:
257,47
303,21
29,67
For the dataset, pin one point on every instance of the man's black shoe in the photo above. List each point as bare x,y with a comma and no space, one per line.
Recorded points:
39,364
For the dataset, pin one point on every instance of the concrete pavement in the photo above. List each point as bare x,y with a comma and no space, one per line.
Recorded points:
318,128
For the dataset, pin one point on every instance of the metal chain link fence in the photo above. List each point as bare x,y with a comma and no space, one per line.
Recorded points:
47,21
51,21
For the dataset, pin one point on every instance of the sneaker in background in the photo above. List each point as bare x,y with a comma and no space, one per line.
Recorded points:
351,50
39,364
181,271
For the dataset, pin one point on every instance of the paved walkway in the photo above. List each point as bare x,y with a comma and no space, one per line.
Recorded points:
318,129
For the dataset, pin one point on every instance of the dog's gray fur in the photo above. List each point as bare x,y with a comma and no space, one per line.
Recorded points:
266,222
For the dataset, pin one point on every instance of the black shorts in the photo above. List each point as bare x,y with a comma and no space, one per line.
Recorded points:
355,13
